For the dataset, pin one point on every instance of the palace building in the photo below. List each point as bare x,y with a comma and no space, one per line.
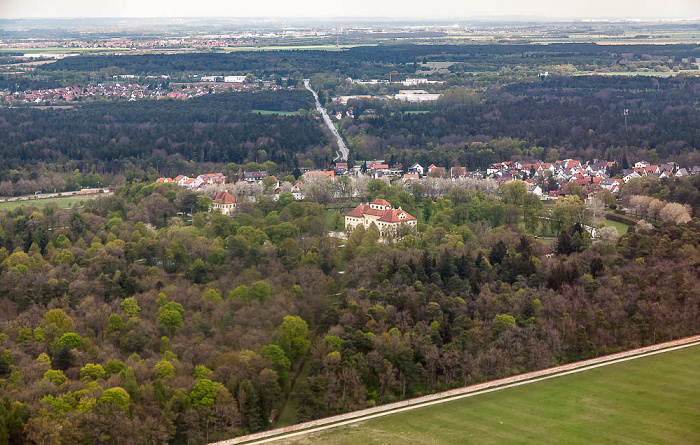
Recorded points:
380,212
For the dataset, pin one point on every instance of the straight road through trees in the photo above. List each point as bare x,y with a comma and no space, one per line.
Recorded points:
343,149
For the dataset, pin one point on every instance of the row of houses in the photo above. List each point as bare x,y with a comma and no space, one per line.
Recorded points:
196,182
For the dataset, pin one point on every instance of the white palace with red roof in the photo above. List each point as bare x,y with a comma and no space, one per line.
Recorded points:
380,212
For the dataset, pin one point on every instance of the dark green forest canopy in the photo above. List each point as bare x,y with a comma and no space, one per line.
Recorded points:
214,128
580,116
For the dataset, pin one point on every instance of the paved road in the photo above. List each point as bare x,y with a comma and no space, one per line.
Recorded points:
343,149
286,433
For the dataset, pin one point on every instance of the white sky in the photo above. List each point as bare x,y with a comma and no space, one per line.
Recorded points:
684,9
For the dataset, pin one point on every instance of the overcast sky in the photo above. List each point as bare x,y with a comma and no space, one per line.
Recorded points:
353,8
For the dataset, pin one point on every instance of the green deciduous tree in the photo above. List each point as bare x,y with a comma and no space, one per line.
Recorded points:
117,396
294,337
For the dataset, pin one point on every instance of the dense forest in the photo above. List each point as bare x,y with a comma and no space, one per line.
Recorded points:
364,61
579,117
165,134
113,332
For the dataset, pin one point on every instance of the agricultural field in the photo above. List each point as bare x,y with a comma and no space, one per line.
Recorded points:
647,400
62,202
278,113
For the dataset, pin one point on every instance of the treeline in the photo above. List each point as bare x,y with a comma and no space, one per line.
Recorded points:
684,190
164,134
361,61
130,321
22,83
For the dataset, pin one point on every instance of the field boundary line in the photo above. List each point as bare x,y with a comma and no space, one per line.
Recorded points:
458,393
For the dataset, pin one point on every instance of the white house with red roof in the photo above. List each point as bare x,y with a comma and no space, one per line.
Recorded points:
224,202
380,213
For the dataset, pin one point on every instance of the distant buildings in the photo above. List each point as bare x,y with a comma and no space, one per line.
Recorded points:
416,96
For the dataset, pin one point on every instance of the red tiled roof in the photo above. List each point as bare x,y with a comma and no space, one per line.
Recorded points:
390,215
225,198
381,202
396,215
358,211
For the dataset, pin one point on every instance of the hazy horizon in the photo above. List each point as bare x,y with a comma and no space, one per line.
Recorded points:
356,9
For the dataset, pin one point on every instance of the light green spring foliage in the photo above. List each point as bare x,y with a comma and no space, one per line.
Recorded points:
114,366
212,295
55,376
294,337
71,340
118,396
171,316
205,392
165,369
131,307
201,372
92,371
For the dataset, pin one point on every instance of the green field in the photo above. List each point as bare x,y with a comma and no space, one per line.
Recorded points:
621,227
642,73
293,47
648,400
280,113
63,202
60,49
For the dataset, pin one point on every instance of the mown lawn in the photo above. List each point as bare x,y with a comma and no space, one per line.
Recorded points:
621,227
648,400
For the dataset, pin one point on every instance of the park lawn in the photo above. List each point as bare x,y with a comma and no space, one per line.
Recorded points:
648,400
63,202
621,227
329,220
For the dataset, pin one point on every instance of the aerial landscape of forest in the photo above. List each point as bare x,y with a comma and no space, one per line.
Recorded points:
196,244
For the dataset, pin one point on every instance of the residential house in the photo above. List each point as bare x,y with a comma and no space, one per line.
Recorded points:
458,172
535,190
341,168
212,178
320,174
224,202
437,172
629,174
416,168
254,176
